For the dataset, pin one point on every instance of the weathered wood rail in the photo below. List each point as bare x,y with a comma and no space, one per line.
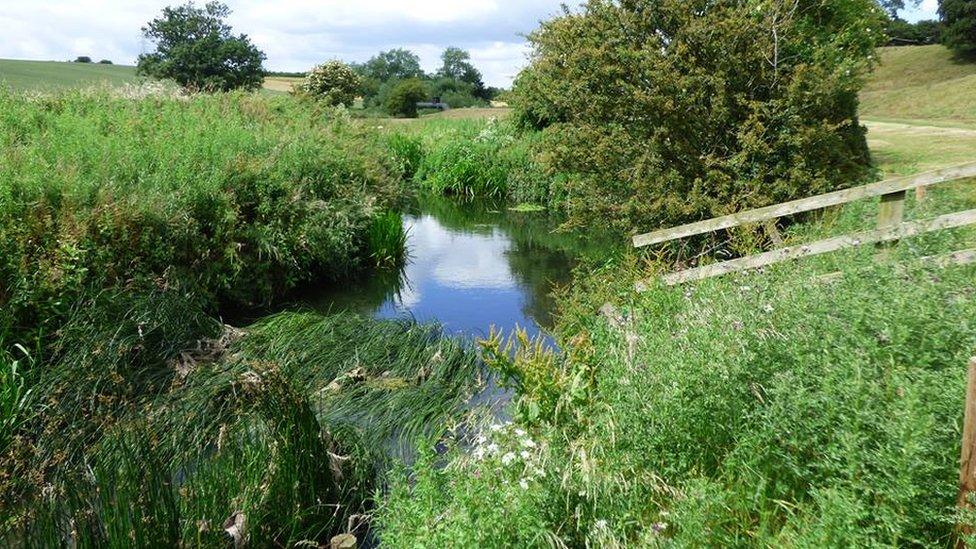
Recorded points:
890,226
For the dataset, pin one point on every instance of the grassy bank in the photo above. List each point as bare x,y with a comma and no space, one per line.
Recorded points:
755,410
236,198
764,409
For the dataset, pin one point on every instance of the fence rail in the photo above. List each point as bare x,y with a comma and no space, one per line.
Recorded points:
889,226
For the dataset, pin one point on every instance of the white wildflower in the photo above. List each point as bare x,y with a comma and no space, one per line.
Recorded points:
524,484
528,443
508,458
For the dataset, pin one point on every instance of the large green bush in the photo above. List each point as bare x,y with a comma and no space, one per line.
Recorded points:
404,96
333,83
195,47
662,112
241,198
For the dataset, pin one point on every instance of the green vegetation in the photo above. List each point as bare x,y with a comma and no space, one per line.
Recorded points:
653,122
240,198
762,409
195,48
959,26
403,98
284,425
333,83
924,84
49,76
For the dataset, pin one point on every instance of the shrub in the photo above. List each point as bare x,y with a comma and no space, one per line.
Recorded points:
661,112
105,62
195,48
333,83
404,96
959,21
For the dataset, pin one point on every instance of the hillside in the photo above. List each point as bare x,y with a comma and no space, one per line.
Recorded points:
921,84
52,75
48,75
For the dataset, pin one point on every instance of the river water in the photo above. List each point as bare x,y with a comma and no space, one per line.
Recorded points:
471,267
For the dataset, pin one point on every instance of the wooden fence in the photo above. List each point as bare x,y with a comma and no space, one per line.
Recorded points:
890,226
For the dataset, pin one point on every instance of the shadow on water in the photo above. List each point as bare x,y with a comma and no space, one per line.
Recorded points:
471,266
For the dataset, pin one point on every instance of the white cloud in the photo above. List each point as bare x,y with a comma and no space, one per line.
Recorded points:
295,34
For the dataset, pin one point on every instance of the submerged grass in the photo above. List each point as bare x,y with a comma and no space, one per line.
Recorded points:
153,437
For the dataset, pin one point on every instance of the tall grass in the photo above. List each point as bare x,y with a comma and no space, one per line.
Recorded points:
242,197
155,437
474,159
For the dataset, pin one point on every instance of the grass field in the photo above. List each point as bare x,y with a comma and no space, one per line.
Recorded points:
923,84
51,75
22,75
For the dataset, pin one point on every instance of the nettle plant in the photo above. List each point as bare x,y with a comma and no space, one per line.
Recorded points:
333,83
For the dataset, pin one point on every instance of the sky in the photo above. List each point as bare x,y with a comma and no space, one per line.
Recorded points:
295,34
298,34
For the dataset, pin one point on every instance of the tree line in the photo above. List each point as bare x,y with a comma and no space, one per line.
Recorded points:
196,47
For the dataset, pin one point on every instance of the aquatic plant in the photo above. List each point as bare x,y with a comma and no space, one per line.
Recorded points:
276,434
387,240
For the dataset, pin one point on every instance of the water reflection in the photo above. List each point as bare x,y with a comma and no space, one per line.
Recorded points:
471,266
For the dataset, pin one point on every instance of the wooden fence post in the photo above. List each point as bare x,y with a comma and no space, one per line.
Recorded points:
967,465
890,212
892,209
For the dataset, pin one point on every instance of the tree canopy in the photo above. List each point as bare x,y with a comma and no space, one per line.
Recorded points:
667,111
196,48
959,20
398,63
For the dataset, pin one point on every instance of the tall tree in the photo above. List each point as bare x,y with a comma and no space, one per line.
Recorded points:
892,7
959,20
399,64
195,47
456,64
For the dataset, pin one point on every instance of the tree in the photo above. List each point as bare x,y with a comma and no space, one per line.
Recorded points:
658,114
395,64
405,96
959,25
83,59
105,62
333,83
456,64
195,47
892,7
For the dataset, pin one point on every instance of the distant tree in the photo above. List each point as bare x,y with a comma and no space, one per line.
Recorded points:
105,62
83,59
892,7
456,64
959,25
903,33
395,64
333,83
195,47
403,99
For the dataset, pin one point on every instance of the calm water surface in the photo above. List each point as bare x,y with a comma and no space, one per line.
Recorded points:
471,267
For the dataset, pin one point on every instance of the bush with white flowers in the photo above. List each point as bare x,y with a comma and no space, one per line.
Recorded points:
333,83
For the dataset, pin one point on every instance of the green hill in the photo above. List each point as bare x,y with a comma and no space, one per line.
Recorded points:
921,84
49,75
